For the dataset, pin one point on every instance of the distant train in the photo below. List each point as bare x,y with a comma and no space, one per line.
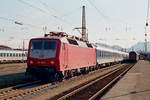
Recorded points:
60,56
12,56
134,56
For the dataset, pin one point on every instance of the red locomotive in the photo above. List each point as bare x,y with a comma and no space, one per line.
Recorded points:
56,57
60,56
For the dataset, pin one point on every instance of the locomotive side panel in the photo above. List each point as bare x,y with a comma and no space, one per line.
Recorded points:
79,57
63,57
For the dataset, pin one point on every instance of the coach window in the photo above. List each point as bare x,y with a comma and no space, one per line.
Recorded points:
19,54
111,54
10,54
63,47
26,54
7,54
101,53
13,54
4,54
108,54
104,53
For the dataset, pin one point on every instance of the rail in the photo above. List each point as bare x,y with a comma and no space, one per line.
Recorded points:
17,92
95,87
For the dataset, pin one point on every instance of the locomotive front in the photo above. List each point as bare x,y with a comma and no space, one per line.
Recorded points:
42,60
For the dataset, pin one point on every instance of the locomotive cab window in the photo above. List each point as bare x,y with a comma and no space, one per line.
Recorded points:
44,44
50,45
36,45
43,49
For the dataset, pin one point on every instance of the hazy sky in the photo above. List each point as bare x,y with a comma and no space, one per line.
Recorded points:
115,22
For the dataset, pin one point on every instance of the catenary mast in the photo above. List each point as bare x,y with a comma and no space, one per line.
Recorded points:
84,34
146,26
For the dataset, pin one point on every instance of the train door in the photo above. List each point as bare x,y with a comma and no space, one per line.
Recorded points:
65,57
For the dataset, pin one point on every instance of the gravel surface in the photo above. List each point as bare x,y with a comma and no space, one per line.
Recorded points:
6,69
68,84
12,74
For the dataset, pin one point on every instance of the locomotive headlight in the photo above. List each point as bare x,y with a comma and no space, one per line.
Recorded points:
31,62
52,62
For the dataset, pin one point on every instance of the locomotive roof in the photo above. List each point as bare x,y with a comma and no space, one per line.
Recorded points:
63,39
69,40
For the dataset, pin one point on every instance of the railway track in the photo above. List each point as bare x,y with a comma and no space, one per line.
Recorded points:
93,89
12,90
16,92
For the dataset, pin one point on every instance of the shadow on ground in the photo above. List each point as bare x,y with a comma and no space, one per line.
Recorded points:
12,79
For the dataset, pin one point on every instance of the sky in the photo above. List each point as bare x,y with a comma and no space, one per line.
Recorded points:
114,22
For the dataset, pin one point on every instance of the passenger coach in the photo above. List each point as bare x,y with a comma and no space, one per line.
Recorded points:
11,56
109,56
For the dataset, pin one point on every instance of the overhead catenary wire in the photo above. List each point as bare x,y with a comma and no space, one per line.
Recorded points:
99,12
47,11
147,17
56,17
46,6
20,23
106,18
70,12
8,19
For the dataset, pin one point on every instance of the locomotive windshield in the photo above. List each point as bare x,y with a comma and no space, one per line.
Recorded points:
43,49
36,45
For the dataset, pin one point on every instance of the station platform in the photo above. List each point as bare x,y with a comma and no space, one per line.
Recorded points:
135,84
